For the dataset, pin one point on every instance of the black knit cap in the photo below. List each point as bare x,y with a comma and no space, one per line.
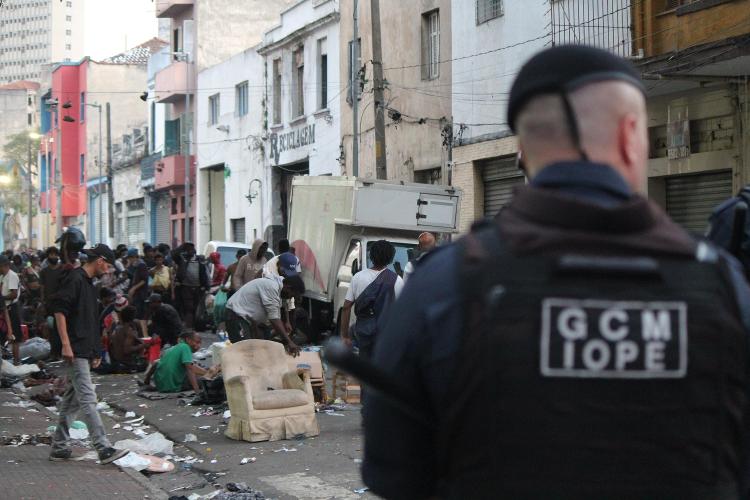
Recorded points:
564,68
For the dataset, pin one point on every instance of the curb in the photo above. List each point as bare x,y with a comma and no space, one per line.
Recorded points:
136,476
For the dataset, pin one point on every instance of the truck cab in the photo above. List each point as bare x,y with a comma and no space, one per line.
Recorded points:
334,220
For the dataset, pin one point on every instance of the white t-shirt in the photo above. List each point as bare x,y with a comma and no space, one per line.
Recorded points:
10,282
362,280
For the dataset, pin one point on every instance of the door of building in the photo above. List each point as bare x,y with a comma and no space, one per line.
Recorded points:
500,176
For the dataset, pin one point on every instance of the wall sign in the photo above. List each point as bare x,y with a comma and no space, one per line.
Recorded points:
287,141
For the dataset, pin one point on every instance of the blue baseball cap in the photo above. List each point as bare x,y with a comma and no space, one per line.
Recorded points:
288,264
132,252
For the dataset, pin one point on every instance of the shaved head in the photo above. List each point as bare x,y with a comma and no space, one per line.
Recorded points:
612,124
426,242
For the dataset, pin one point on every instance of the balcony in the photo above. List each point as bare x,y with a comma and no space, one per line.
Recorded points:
172,82
170,172
602,23
172,8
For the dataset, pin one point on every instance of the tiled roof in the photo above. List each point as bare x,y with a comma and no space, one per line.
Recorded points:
138,54
20,84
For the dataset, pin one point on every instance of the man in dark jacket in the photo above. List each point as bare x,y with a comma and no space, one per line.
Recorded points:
584,346
165,320
191,281
77,316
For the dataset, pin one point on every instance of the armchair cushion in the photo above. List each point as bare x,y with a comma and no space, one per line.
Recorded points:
282,398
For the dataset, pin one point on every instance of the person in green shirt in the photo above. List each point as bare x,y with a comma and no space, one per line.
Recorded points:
175,371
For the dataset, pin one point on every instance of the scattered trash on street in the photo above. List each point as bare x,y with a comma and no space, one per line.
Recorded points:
284,449
189,438
149,445
247,460
129,414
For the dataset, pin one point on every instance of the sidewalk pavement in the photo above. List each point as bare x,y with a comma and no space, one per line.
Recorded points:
28,473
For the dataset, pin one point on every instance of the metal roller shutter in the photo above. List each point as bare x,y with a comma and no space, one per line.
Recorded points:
691,198
500,176
136,229
161,231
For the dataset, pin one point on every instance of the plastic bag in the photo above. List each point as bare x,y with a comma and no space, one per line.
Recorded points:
35,348
153,443
220,305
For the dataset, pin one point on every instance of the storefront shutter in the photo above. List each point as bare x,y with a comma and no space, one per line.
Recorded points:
161,232
691,198
500,176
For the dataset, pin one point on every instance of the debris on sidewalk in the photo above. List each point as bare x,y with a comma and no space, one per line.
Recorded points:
189,438
129,414
133,461
284,449
361,491
19,404
26,439
247,460
149,445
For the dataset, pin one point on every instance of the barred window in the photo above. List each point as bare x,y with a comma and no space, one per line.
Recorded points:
488,10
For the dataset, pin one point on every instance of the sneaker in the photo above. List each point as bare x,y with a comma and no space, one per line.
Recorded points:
60,455
109,455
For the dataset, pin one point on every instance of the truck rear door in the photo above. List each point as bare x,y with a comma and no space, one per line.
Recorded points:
438,210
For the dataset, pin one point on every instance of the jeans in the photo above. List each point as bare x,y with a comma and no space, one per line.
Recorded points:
79,395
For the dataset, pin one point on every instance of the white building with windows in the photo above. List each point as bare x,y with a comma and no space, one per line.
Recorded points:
35,33
491,41
232,199
302,129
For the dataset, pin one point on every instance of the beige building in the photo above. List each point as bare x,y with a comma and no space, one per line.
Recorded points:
416,50
35,33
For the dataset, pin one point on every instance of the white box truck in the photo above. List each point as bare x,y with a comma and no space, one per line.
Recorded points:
335,219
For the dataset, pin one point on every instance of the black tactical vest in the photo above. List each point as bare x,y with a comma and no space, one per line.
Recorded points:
596,378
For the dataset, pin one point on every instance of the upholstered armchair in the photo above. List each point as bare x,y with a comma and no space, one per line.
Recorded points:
262,407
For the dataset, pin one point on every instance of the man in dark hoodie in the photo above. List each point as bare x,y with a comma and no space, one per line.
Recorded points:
77,316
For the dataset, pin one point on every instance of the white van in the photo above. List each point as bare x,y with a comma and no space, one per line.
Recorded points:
227,250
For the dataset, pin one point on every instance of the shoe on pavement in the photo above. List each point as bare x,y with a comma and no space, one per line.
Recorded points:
109,455
60,455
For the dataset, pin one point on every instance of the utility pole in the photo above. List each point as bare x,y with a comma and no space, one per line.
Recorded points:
188,123
58,172
110,188
381,170
28,178
101,188
354,91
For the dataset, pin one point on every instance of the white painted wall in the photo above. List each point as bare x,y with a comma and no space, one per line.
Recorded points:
481,84
156,63
324,152
240,149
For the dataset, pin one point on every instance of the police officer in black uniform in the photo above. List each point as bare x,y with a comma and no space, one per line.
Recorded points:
586,346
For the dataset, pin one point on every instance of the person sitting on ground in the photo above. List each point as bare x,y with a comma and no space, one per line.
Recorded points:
260,302
125,348
165,321
175,370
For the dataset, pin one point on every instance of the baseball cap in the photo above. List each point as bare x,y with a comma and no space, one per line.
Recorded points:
288,264
121,302
132,252
101,251
154,297
4,261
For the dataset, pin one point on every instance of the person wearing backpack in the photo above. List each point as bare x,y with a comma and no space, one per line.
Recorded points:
370,293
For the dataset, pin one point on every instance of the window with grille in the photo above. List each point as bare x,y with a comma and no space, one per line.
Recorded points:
241,92
488,10
298,75
277,91
238,230
431,45
213,109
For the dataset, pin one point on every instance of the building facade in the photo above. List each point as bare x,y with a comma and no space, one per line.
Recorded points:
203,33
232,181
302,118
92,97
695,63
36,33
491,41
416,58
